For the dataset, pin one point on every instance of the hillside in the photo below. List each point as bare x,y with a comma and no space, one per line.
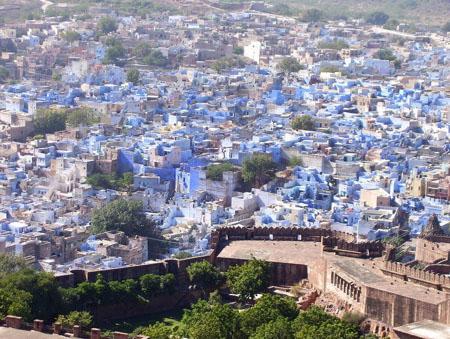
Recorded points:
429,12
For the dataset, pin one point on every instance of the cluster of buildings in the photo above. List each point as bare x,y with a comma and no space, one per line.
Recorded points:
376,163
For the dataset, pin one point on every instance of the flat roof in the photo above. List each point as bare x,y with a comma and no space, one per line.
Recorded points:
292,252
363,271
426,329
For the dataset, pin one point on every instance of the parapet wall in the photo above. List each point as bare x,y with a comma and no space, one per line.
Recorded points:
174,266
279,233
418,276
339,242
428,250
346,248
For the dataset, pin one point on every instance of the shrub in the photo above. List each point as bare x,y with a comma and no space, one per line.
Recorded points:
215,171
83,319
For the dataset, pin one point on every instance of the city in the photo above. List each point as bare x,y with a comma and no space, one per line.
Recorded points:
203,162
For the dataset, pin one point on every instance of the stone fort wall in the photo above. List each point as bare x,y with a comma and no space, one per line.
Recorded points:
174,266
416,275
429,251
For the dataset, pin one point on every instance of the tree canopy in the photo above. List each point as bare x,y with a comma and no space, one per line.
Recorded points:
312,15
289,65
57,119
258,169
107,25
268,307
133,76
337,44
80,318
81,116
204,275
211,320
225,63
71,36
49,121
388,54
30,294
215,171
303,122
4,74
279,328
122,182
11,264
385,54
155,58
122,215
316,323
157,331
115,53
377,18
249,279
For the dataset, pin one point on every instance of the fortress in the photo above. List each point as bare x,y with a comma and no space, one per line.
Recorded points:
389,293
345,275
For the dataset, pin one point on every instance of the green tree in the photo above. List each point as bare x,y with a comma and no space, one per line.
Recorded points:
289,65
295,161
142,50
204,275
377,18
71,36
354,318
158,330
283,9
303,122
168,283
15,302
215,171
337,44
150,284
122,215
11,264
316,323
155,58
111,181
280,328
81,117
267,308
225,63
101,181
56,76
385,54
4,74
49,121
46,300
126,181
258,169
82,319
210,320
391,24
107,25
329,69
115,55
312,15
239,50
133,76
249,279
182,255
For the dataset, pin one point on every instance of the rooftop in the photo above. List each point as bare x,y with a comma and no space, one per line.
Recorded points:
426,329
363,271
